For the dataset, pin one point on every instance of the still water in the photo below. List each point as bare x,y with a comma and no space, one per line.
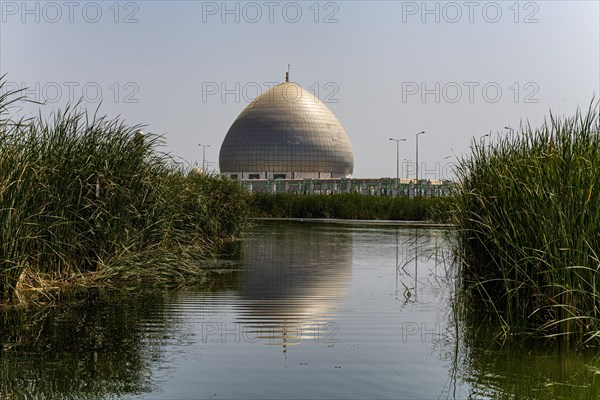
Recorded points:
298,310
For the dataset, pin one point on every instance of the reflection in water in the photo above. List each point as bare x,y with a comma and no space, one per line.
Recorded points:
93,350
488,365
292,278
414,246
530,370
480,365
294,284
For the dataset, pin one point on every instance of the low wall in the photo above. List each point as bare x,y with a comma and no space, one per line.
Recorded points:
369,187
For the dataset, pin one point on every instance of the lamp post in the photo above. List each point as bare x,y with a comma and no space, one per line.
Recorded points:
482,139
417,157
204,146
443,176
398,160
509,129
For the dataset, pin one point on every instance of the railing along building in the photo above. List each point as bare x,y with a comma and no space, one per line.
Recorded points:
363,186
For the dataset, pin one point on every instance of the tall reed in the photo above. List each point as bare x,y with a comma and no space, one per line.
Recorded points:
351,206
528,211
84,193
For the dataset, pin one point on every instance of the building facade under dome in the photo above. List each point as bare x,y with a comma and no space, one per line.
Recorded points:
286,133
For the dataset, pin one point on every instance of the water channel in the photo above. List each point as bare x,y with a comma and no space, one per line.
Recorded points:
297,310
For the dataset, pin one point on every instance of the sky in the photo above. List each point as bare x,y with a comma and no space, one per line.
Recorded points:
186,69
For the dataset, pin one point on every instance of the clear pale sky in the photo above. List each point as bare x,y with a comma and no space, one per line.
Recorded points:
186,69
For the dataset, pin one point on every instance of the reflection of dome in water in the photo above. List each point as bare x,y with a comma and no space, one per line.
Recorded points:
294,274
293,278
286,133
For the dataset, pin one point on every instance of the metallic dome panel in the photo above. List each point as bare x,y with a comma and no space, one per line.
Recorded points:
287,130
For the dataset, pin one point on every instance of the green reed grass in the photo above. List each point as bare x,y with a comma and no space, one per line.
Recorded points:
528,212
81,193
351,206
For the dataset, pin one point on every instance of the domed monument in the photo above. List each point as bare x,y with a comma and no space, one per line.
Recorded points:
286,133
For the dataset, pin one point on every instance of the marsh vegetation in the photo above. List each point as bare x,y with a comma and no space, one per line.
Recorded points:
528,217
351,206
87,199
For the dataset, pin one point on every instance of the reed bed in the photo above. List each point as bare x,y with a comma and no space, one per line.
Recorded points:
87,195
351,206
528,213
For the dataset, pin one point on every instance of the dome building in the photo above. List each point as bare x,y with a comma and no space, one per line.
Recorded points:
286,133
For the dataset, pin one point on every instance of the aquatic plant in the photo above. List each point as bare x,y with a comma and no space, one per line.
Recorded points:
528,217
82,193
350,206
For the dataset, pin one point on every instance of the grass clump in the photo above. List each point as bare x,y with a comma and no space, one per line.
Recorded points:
350,206
83,194
528,212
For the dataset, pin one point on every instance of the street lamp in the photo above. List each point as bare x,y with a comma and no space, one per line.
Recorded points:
398,160
509,129
417,156
482,139
204,146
